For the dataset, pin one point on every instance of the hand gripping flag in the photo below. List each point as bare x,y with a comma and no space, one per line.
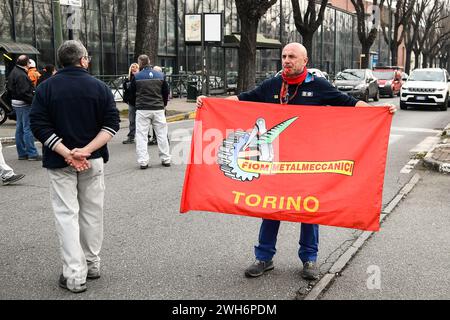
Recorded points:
319,165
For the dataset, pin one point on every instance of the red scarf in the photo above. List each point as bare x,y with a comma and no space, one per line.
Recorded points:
298,80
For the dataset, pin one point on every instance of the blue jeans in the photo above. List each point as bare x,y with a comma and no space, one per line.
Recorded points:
309,241
24,137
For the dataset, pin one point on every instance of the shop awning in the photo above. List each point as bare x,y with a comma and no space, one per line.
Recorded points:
233,40
16,47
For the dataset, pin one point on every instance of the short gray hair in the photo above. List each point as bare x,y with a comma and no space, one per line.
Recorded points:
70,53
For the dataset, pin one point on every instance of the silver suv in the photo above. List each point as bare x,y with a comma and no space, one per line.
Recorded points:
426,87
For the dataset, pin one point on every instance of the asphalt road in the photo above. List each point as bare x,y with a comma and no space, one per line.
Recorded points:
151,251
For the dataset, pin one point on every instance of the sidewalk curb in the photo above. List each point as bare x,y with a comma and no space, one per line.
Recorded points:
7,140
182,116
430,161
347,256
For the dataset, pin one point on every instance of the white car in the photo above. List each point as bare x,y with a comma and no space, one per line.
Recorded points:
315,72
426,87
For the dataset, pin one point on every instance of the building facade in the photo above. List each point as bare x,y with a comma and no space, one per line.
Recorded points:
107,28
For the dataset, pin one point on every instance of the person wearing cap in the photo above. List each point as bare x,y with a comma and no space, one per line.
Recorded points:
33,73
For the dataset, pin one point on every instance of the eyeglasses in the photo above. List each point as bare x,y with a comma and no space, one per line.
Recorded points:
88,58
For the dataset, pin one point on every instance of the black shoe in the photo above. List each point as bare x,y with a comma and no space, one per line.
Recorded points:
23,158
310,271
93,274
143,167
63,284
258,268
36,158
166,164
128,141
13,179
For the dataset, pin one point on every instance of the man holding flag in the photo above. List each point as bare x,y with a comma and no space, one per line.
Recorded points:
295,86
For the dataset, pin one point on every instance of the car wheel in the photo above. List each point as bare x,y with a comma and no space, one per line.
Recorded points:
391,95
366,96
377,96
3,115
403,105
444,106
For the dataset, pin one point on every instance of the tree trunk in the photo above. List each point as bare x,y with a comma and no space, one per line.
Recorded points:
307,43
416,58
425,60
394,53
247,56
365,50
408,60
147,29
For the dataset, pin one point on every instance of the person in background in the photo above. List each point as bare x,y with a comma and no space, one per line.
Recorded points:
22,91
49,71
152,93
6,172
33,73
130,99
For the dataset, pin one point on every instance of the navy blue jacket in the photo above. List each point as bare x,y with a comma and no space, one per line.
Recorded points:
313,91
72,107
151,89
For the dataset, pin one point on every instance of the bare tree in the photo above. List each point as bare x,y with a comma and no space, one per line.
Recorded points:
435,42
308,24
413,29
431,17
366,33
402,18
147,29
249,12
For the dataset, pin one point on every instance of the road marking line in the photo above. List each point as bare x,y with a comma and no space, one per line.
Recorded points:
395,137
409,166
404,129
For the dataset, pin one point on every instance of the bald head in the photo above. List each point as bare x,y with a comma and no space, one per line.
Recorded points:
297,47
294,59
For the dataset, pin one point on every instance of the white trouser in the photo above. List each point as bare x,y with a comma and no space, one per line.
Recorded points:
77,200
5,170
158,119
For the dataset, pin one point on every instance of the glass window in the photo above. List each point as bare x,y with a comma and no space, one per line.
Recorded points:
44,32
6,27
94,43
162,39
121,36
24,21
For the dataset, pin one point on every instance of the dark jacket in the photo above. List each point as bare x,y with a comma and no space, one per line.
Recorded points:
20,86
151,90
128,96
43,77
72,107
313,91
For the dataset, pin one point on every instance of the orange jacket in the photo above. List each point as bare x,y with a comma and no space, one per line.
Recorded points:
34,75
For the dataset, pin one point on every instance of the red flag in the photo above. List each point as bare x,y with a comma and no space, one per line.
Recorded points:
319,165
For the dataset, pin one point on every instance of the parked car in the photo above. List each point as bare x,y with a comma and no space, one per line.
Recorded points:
389,81
314,71
428,87
359,83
